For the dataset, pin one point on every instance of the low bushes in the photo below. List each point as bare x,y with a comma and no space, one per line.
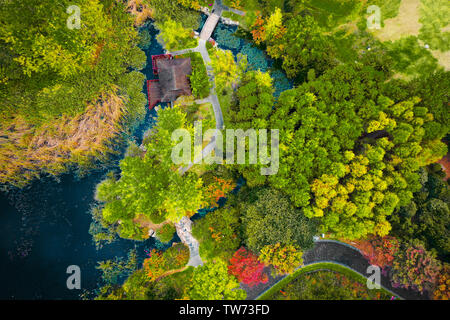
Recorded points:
199,78
160,263
165,233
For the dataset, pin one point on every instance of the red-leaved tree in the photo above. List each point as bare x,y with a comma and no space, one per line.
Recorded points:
379,251
244,265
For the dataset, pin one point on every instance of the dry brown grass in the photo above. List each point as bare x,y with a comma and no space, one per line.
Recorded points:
406,23
26,151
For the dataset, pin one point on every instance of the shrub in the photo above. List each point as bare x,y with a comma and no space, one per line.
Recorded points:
199,78
442,290
165,233
218,189
160,263
218,233
379,251
177,256
212,282
327,285
415,268
284,258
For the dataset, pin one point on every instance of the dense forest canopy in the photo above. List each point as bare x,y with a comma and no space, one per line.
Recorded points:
362,122
360,133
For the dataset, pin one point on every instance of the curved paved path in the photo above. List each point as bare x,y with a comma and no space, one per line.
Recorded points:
339,253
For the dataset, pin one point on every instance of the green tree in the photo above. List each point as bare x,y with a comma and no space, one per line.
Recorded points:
149,184
427,217
226,70
199,78
166,232
252,110
302,47
272,219
284,258
218,233
213,282
433,89
348,154
254,101
41,47
174,36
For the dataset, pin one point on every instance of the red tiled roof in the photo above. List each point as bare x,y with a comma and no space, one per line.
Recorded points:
173,78
153,93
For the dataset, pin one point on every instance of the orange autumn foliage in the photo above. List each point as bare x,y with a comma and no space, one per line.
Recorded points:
258,30
218,189
442,290
154,266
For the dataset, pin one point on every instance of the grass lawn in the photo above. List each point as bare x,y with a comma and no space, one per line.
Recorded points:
247,5
443,58
203,112
409,25
269,294
388,8
250,7
332,13
176,282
